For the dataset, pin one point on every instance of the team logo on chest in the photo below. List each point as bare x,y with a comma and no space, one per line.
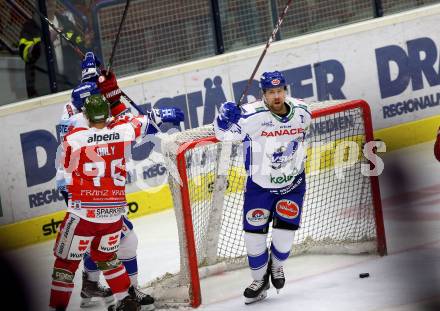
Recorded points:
282,155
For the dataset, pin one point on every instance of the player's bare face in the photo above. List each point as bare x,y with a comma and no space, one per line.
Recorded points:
275,100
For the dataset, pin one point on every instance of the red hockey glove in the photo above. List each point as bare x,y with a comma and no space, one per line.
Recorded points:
437,146
109,88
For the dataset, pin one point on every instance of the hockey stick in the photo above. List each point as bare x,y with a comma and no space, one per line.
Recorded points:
110,62
113,52
269,41
81,53
62,34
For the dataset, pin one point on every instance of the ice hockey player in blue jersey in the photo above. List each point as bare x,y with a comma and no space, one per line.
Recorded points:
273,132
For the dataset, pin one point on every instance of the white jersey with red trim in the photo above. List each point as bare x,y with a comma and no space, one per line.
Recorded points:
94,168
274,147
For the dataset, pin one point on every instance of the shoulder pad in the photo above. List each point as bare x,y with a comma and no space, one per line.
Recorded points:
253,107
299,103
73,131
119,120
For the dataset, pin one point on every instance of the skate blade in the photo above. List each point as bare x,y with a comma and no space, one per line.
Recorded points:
95,301
89,302
108,300
262,295
147,307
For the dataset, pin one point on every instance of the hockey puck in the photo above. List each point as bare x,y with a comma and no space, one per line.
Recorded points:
364,275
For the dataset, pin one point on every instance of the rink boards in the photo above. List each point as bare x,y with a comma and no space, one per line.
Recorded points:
365,60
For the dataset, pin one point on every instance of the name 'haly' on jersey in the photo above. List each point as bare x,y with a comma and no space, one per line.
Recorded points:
274,147
94,168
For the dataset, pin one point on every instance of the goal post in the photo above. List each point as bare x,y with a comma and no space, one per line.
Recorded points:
342,210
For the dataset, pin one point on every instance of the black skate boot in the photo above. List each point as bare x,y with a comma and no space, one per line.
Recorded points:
127,304
92,292
146,301
257,290
277,277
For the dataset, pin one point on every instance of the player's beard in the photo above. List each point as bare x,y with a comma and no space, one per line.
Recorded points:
277,106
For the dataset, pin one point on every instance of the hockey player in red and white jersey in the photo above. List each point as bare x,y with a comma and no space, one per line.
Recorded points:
73,117
95,176
94,171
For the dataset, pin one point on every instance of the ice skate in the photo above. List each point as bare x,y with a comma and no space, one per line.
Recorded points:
146,301
127,304
277,277
257,290
93,292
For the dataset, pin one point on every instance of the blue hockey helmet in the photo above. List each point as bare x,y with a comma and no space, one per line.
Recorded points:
90,68
81,92
269,80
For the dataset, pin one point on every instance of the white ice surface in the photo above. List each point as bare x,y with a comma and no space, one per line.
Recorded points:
407,279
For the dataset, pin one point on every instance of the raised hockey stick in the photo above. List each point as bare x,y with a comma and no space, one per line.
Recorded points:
115,44
269,41
58,31
80,53
112,55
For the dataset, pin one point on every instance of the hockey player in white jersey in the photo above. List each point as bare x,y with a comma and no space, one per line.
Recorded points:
73,117
273,132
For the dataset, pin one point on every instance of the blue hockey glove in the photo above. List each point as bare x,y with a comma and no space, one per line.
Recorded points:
229,112
81,92
90,68
61,185
169,114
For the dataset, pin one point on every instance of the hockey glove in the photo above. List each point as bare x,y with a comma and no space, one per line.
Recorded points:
109,88
61,185
90,68
229,112
169,114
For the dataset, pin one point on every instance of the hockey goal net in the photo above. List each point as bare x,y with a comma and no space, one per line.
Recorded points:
341,214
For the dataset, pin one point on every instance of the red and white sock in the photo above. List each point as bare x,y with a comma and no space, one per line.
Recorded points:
62,282
118,281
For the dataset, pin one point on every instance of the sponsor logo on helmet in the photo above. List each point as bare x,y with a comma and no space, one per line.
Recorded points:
287,209
82,88
257,216
275,81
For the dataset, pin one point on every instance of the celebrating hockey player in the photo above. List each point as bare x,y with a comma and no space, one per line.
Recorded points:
94,165
73,117
273,132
